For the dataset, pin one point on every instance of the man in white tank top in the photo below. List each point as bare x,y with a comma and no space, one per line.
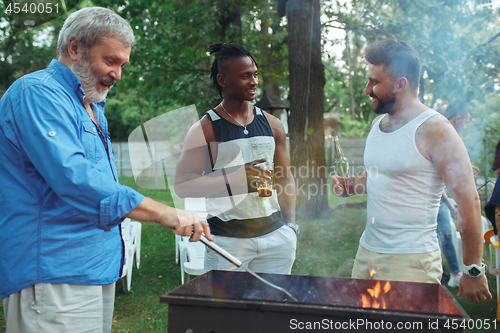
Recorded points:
411,153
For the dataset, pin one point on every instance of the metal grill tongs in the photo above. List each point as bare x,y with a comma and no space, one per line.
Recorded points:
235,261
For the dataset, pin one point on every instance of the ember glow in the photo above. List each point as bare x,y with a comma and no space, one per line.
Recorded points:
375,298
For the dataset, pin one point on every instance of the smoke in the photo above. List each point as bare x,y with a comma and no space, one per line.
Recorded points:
482,120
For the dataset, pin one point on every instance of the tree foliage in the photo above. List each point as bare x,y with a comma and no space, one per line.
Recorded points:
457,41
21,51
454,40
170,65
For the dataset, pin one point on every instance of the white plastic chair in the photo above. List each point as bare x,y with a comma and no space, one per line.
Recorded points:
196,205
131,234
457,241
497,259
492,240
191,255
489,258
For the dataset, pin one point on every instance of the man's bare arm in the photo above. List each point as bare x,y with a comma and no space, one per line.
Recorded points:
285,183
439,142
182,222
194,176
358,183
194,158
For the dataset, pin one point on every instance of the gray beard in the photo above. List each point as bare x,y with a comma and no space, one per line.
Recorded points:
84,72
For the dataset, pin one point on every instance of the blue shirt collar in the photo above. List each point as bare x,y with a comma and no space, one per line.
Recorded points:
68,79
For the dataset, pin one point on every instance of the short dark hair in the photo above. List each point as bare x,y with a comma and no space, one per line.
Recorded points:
457,108
398,56
224,52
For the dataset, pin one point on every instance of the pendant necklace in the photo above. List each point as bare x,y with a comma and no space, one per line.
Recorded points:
245,131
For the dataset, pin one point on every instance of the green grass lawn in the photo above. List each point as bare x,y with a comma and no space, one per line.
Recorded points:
325,248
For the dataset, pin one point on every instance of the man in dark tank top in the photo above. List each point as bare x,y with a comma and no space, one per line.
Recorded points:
236,158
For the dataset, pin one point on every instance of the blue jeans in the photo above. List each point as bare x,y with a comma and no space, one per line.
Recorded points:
444,230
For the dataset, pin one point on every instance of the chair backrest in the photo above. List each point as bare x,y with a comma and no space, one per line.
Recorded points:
196,205
126,229
486,225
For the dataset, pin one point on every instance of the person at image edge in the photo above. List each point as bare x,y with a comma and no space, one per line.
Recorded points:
411,153
60,199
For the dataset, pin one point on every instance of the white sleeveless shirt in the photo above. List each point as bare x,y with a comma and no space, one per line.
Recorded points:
404,191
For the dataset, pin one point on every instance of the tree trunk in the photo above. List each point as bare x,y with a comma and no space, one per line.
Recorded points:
351,75
270,64
307,81
230,14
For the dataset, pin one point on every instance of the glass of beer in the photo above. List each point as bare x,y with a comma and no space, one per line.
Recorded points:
265,189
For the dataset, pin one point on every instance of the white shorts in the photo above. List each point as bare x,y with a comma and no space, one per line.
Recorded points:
60,308
271,253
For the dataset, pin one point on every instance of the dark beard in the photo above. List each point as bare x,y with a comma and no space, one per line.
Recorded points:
384,105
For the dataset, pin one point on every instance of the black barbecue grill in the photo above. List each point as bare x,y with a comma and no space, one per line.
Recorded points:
236,302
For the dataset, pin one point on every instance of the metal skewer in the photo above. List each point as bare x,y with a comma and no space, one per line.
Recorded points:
235,261
232,259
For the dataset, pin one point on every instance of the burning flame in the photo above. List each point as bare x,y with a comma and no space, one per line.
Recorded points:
375,298
372,272
375,291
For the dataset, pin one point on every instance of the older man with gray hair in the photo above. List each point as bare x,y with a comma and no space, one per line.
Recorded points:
60,199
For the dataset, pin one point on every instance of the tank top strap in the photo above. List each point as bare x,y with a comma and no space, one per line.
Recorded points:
213,115
421,118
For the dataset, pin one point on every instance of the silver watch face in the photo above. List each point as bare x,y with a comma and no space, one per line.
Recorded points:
295,227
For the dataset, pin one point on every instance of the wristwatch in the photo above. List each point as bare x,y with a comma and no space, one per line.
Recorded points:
474,270
295,227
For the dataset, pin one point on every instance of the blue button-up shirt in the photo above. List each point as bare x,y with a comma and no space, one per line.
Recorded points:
58,187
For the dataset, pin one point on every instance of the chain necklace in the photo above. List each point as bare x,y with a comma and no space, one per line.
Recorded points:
103,137
245,131
90,111
92,116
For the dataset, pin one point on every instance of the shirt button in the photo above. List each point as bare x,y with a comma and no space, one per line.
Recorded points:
52,133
